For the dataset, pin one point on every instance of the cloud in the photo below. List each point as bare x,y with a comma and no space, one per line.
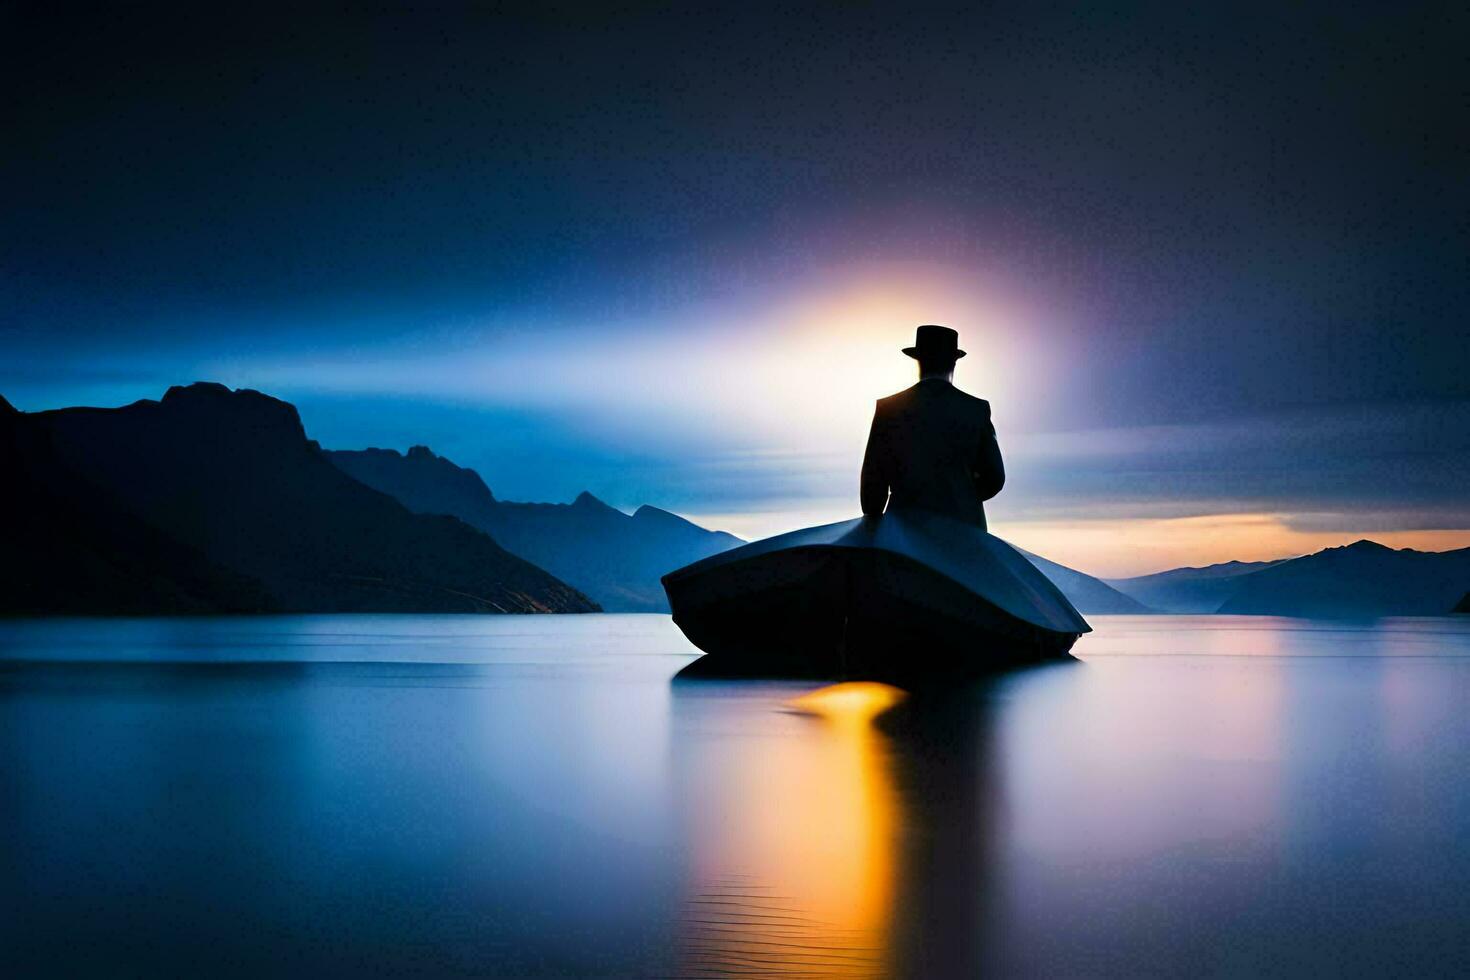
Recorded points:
1389,458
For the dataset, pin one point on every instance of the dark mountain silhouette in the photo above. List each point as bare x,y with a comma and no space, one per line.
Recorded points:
1090,595
71,547
1362,579
423,482
613,557
1463,606
1188,590
211,487
618,556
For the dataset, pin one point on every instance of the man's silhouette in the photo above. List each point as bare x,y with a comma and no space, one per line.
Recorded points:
925,593
932,447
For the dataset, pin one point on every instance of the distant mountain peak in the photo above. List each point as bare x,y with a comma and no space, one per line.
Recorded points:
648,514
1358,580
1087,593
6,408
199,389
243,410
1237,565
386,469
214,393
614,557
226,484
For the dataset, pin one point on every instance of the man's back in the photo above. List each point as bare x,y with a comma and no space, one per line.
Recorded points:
932,447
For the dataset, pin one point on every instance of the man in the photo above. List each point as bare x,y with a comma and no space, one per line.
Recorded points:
932,447
916,598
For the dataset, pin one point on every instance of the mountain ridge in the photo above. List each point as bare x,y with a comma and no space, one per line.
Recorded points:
73,548
616,558
1191,589
210,499
1363,579
541,532
231,476
1091,595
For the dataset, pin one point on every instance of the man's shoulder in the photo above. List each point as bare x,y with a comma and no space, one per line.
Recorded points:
963,401
896,400
946,393
974,403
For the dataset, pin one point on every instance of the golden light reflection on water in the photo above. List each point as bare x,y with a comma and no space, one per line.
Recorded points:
794,858
853,703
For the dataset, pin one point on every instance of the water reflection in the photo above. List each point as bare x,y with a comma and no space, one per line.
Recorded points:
840,833
533,798
792,841
953,806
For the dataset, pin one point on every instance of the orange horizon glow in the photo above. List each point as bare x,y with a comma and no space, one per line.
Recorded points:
1127,547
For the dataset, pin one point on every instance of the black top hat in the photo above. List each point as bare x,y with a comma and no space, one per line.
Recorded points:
936,342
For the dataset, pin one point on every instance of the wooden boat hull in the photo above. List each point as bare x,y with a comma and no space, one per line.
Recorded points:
902,596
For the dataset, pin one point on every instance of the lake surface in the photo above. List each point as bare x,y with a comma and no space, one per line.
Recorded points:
526,796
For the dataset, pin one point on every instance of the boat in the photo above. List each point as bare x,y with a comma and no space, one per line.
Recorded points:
894,597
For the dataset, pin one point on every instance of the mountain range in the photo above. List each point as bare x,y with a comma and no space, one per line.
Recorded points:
1362,579
1091,596
214,500
615,558
70,546
1188,590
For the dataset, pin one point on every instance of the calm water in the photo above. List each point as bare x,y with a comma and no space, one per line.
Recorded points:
532,796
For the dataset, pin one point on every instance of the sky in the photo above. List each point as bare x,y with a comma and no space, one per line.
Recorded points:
1211,263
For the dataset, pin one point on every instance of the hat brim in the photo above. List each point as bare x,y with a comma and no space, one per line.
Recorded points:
916,353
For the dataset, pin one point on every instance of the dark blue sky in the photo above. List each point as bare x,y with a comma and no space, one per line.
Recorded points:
1211,264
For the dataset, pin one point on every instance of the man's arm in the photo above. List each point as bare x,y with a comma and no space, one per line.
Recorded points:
990,470
874,483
